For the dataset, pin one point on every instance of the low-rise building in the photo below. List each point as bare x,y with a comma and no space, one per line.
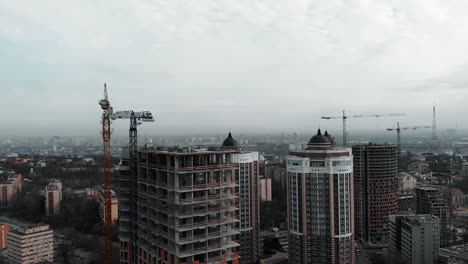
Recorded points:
31,244
10,187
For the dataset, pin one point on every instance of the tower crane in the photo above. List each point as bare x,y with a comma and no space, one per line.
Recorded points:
344,117
136,118
398,130
107,164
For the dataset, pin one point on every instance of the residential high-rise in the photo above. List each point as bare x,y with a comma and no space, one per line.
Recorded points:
320,203
431,201
376,189
187,207
415,238
249,192
30,244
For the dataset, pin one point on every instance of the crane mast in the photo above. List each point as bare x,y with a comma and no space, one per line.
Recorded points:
107,164
135,119
345,117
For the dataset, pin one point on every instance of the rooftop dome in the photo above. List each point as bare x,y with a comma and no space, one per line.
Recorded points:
320,139
230,141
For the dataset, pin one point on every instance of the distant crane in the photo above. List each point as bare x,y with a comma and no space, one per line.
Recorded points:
398,130
107,164
344,117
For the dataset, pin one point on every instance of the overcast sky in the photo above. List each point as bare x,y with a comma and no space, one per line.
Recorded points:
215,65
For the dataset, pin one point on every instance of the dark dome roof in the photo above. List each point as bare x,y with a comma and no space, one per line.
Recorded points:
320,139
229,141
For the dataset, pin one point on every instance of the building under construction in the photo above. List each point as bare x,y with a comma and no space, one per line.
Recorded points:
187,207
376,189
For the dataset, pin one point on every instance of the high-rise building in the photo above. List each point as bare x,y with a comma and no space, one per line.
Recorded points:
415,238
320,203
30,244
265,189
431,201
249,192
376,190
187,207
4,229
10,186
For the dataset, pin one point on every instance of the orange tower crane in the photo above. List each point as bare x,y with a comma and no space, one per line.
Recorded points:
106,135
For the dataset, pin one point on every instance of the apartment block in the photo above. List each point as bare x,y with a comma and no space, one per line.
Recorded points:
415,238
376,188
320,202
30,244
249,207
431,201
187,206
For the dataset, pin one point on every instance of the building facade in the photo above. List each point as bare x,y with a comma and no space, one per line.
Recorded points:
431,201
249,204
30,244
187,207
320,203
10,187
265,190
415,238
376,189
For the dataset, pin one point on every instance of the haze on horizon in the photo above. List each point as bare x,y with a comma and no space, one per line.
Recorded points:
211,66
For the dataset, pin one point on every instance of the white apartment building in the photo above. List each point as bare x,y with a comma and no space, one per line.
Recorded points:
31,244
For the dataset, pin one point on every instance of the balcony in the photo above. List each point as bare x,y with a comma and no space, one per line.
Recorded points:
209,185
226,220
199,250
207,198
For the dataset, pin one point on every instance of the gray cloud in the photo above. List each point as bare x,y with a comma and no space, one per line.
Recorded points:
246,64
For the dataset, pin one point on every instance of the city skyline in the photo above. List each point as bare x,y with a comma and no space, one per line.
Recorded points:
279,63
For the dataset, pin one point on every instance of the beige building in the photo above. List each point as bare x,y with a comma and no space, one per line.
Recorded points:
31,244
10,186
265,190
53,196
114,204
407,182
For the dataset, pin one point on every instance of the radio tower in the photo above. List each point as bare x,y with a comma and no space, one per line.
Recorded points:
106,134
434,146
